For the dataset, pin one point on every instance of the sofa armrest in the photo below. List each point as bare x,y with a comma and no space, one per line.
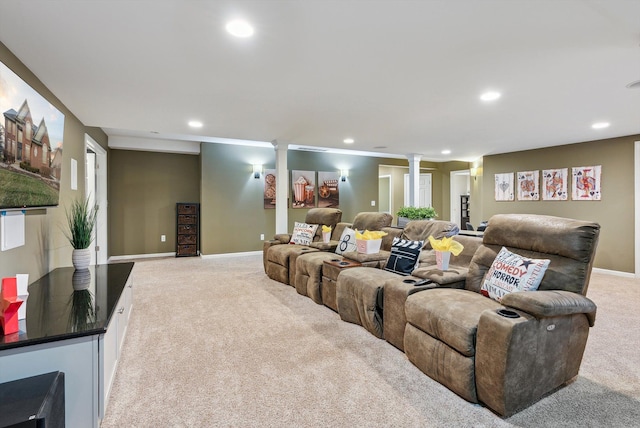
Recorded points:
364,258
548,303
325,246
282,238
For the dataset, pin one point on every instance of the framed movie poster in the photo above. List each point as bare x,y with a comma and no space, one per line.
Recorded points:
504,186
303,188
554,184
328,189
269,188
585,183
528,185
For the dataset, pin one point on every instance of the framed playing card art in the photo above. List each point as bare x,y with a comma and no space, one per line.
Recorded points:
554,184
585,183
504,186
528,185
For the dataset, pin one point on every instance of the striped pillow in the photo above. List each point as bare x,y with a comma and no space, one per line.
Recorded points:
404,256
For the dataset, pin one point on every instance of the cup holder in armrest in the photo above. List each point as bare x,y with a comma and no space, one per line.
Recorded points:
409,281
507,313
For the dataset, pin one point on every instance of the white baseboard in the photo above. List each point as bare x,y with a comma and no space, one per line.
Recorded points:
218,256
140,256
615,272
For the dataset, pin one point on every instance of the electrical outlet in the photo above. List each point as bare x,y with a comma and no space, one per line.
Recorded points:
163,238
373,203
262,236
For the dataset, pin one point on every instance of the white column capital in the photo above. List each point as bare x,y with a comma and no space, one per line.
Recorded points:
414,157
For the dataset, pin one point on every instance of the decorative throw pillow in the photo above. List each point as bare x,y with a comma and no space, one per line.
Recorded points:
511,272
303,233
347,241
404,256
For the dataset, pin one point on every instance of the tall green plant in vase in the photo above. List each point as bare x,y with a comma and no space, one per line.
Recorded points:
81,220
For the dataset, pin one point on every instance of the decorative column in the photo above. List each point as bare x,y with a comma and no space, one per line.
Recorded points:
414,179
282,186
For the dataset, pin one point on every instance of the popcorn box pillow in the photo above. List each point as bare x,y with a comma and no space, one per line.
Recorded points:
368,246
303,233
511,272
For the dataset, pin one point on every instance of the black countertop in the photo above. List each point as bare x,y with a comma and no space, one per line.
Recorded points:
57,309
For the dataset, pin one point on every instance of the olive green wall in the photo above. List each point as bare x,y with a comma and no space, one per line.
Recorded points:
46,247
233,216
615,212
144,188
440,184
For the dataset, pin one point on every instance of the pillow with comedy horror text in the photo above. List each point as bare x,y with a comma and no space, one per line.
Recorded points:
511,272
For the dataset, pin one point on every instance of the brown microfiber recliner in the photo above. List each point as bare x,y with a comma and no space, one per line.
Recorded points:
458,338
280,260
308,280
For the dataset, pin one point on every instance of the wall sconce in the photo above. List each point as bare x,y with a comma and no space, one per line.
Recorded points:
475,171
344,173
257,171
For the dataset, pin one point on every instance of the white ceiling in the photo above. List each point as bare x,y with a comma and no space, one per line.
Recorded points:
404,75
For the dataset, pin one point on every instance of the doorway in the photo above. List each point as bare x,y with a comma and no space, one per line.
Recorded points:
424,197
96,194
460,184
384,194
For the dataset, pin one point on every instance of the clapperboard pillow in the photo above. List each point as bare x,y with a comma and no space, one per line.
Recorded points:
404,256
511,272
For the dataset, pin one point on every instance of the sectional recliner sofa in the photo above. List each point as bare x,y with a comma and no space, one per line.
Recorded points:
504,354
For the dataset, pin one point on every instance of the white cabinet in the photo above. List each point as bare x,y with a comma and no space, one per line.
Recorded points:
110,346
49,342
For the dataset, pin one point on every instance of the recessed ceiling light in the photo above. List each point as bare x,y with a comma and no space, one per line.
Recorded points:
634,85
490,96
446,152
348,141
240,28
195,124
600,125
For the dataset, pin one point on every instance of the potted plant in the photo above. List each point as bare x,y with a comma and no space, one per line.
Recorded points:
81,220
406,214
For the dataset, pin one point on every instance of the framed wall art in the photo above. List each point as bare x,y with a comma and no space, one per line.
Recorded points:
528,185
585,183
303,188
31,132
504,186
269,188
328,189
554,184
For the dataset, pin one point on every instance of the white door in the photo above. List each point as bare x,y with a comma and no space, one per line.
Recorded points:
459,184
424,191
96,192
384,194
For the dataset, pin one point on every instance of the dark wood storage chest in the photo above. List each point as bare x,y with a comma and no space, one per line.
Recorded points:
188,229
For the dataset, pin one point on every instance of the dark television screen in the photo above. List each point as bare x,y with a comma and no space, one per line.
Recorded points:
31,133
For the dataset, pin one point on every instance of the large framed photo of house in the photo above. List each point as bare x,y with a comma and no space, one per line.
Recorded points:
31,133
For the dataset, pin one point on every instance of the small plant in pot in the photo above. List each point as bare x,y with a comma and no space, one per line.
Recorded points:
81,220
406,214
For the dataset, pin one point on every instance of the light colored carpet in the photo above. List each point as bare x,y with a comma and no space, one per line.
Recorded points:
215,343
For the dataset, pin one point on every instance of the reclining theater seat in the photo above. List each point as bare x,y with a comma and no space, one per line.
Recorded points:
308,276
396,290
279,256
458,338
359,290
